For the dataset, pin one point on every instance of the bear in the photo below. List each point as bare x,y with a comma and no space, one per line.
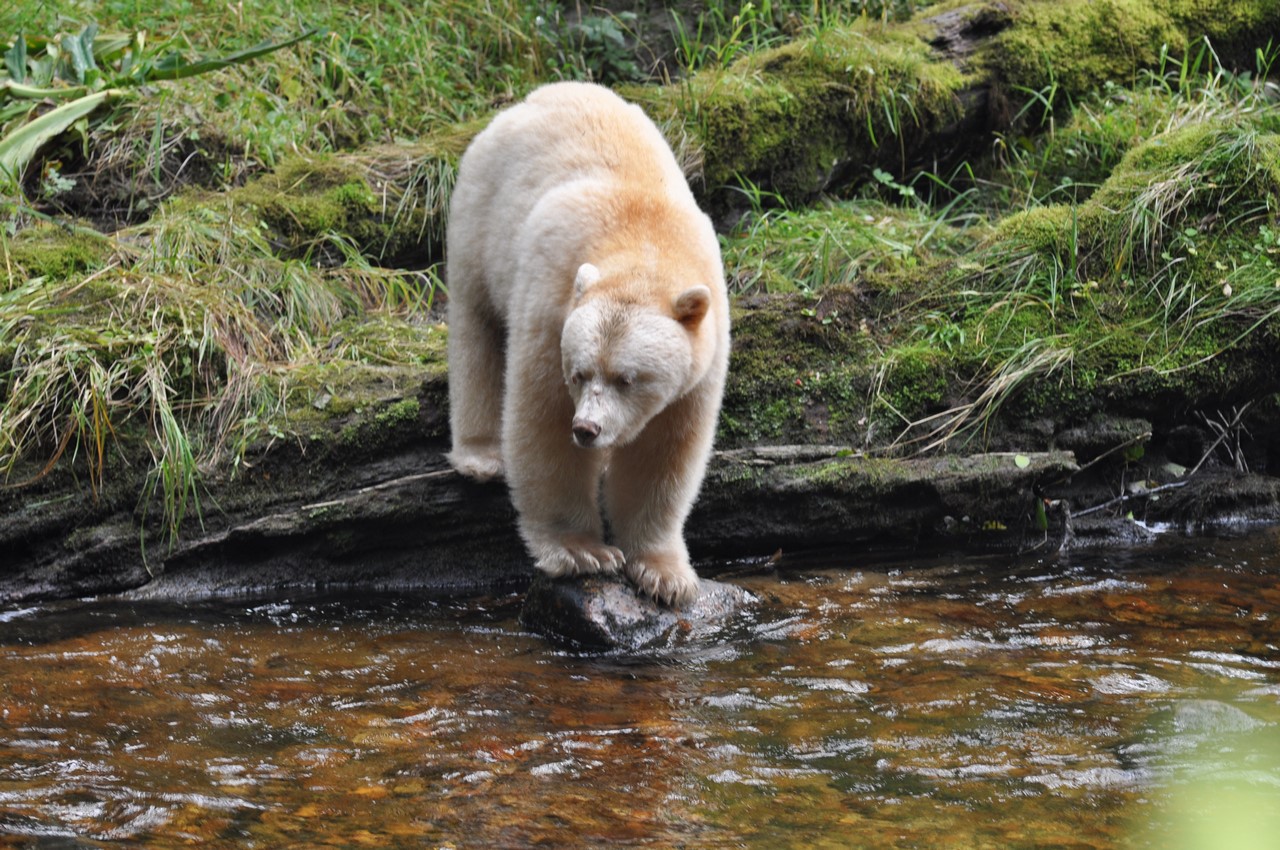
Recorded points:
588,334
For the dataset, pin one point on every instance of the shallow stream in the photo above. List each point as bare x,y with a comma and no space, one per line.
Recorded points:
1080,700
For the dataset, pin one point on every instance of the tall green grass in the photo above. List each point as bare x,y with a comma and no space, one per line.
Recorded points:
182,343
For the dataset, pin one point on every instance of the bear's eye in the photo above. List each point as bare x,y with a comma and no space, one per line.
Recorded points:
578,377
626,379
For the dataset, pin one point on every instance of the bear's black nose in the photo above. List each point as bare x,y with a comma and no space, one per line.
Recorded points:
585,431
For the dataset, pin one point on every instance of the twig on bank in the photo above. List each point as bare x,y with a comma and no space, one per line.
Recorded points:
1126,496
1223,432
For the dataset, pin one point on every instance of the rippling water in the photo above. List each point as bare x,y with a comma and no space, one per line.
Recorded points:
1084,700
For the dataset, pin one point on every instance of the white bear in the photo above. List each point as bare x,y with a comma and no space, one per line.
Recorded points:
588,333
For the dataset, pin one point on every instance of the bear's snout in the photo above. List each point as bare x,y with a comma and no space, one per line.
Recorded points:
585,431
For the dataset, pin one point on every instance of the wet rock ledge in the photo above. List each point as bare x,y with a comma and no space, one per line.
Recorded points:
404,520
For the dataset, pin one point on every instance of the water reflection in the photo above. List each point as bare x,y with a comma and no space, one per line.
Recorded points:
940,703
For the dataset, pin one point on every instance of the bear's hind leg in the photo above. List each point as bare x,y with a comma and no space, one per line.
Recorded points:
476,342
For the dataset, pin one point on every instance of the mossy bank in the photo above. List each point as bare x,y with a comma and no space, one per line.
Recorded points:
963,232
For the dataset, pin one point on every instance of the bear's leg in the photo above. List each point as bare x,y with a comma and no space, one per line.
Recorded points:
554,483
649,488
475,385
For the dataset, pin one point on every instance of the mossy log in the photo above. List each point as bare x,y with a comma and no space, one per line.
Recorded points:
393,516
824,111
400,518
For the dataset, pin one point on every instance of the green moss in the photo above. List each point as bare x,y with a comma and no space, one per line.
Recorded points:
305,200
792,118
800,371
1040,229
393,340
1065,50
1069,49
385,377
1165,152
831,472
918,381
370,431
400,413
1236,28
54,252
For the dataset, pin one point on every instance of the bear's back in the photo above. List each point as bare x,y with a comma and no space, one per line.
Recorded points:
543,178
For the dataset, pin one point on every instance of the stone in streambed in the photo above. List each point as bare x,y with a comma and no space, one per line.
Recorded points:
606,612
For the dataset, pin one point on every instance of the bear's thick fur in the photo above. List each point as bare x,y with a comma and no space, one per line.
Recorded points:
588,333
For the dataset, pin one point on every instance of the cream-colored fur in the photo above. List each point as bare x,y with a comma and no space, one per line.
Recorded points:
588,333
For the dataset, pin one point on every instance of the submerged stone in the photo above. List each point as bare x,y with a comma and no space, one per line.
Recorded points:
1204,718
606,612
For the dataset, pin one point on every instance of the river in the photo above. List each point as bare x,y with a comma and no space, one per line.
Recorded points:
1085,699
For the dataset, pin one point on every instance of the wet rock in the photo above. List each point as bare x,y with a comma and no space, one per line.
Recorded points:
403,520
606,612
807,497
1206,718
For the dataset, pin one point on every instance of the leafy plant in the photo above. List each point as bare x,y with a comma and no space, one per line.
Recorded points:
84,71
594,47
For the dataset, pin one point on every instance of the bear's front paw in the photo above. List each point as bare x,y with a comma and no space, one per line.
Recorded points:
482,465
578,554
668,578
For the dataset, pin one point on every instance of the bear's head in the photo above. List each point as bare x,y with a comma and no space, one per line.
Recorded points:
625,360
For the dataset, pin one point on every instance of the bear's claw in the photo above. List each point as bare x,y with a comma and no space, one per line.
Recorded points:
579,555
670,581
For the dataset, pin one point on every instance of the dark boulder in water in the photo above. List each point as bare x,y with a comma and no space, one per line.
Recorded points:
606,612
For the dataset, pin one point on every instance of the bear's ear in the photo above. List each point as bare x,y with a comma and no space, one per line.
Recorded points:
691,305
587,277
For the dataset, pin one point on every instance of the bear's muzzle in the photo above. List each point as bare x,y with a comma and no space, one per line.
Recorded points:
585,432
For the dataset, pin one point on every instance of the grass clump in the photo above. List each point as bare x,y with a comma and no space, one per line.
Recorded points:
49,251
1149,288
93,365
386,203
185,343
811,250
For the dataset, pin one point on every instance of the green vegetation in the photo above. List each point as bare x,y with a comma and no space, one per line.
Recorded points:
1127,257
793,117
243,252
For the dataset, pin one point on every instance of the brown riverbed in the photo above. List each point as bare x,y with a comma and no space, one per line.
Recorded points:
1080,700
